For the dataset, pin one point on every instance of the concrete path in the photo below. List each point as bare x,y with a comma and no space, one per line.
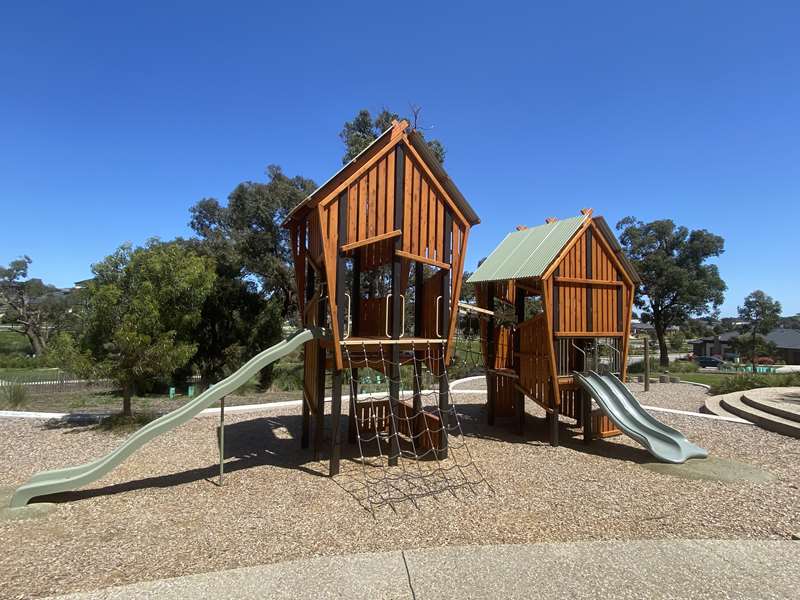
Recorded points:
636,570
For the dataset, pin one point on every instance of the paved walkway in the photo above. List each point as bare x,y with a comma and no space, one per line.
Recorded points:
636,570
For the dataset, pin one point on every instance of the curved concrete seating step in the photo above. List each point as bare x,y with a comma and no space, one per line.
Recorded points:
713,406
780,401
733,403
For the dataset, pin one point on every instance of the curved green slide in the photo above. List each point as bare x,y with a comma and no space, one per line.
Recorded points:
617,401
63,480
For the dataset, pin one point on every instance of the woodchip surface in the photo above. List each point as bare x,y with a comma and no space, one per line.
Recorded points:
160,514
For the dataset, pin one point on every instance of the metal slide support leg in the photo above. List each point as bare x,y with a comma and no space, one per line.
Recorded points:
221,439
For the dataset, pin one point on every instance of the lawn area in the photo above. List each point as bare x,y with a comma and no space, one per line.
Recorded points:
12,342
43,374
88,400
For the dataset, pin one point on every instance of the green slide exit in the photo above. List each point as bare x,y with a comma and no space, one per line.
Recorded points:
617,401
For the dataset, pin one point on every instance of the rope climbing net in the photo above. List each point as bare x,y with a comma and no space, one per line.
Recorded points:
408,431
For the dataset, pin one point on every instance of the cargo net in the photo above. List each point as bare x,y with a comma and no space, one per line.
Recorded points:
411,448
469,342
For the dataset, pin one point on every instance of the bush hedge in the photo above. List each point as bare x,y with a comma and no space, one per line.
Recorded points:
750,381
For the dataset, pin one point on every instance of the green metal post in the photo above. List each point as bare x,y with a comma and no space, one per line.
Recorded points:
221,439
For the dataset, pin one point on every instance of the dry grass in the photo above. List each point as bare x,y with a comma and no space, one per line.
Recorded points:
160,514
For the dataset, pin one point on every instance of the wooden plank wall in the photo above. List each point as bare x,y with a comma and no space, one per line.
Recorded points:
424,214
370,205
573,297
534,354
505,394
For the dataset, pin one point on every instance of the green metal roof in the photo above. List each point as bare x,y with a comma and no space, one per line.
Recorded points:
527,253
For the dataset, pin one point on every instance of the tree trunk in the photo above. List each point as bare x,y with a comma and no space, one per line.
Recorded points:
37,343
126,401
753,351
663,351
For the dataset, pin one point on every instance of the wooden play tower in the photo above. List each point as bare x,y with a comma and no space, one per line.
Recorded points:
378,255
561,296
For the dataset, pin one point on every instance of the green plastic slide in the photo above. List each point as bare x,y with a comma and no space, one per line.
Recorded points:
617,401
63,480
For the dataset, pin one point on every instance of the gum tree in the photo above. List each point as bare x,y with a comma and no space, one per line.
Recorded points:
678,282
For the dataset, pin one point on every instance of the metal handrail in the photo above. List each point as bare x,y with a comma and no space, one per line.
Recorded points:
388,335
436,328
572,341
402,315
349,321
619,354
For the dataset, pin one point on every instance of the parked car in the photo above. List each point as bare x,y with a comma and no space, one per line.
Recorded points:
708,361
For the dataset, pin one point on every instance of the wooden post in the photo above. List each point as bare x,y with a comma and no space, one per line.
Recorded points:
397,306
444,327
351,417
586,416
336,392
646,364
554,420
519,398
491,387
355,308
419,277
319,421
336,417
306,419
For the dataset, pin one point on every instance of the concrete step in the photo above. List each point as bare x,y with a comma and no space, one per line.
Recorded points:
782,402
733,403
713,406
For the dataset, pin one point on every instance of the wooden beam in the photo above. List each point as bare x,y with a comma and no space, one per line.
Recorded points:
470,308
519,400
445,328
491,392
589,282
422,259
588,334
372,240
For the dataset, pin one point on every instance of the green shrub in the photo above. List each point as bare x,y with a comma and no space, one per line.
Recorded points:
17,360
14,394
750,381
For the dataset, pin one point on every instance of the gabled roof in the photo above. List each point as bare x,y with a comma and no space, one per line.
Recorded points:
527,253
413,137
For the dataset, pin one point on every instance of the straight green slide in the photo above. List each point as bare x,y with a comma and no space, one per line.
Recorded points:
63,480
613,396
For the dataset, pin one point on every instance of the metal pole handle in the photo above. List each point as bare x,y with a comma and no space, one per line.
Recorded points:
388,335
438,333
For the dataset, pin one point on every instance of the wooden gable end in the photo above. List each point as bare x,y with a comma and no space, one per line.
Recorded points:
592,293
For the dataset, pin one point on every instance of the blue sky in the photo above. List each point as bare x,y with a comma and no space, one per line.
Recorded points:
114,121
